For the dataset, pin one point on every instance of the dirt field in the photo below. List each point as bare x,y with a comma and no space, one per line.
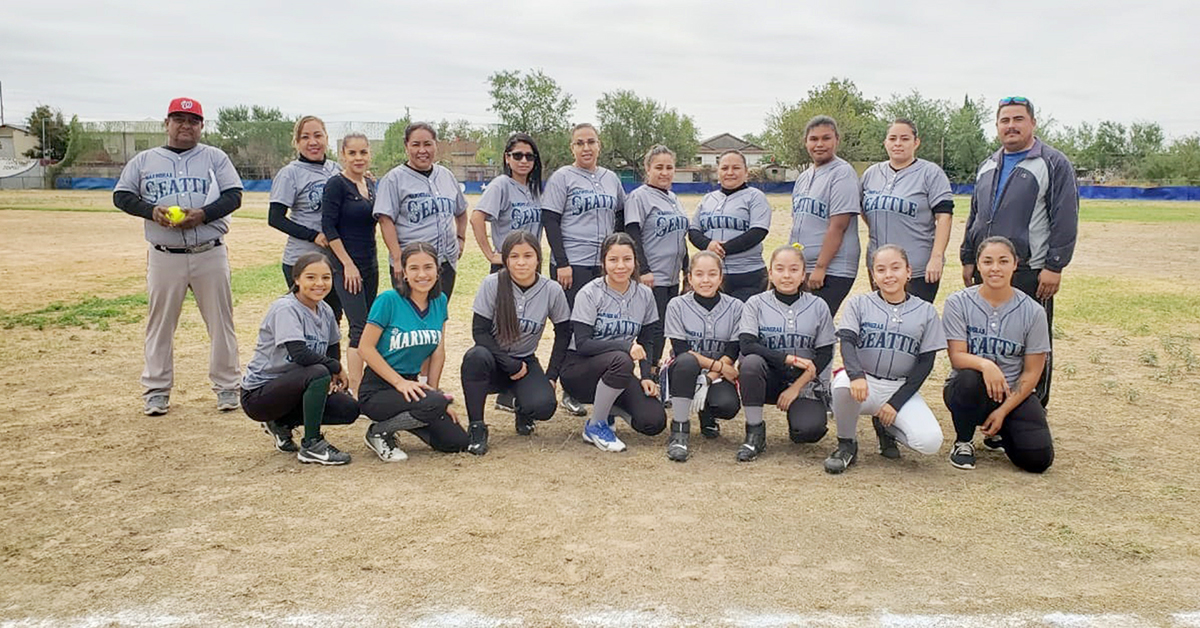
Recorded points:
108,517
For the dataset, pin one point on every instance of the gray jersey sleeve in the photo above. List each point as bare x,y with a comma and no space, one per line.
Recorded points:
495,197
750,312
649,307
387,196
485,297
560,310
554,195
1037,338
283,186
587,302
226,175
673,325
934,338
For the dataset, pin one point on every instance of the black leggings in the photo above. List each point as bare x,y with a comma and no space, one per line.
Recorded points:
1025,433
662,295
742,286
446,277
834,291
580,276
480,377
722,401
924,290
615,368
761,384
331,298
380,402
357,306
282,399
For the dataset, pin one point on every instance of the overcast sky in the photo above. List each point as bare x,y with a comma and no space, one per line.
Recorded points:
724,63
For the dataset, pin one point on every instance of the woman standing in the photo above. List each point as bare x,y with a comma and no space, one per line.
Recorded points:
406,329
611,322
295,201
511,200
420,201
511,310
998,340
907,201
703,328
732,223
786,341
889,341
658,226
295,376
347,221
825,208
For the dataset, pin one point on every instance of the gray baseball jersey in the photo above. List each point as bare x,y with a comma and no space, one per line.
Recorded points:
191,180
898,208
287,320
819,194
798,329
612,315
301,186
423,208
510,207
890,337
1001,334
706,331
588,202
723,218
543,300
664,231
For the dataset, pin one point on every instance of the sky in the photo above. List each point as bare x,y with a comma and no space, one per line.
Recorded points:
727,64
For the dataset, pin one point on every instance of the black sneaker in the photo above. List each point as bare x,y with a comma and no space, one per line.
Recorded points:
755,443
842,457
993,443
572,406
708,425
524,426
677,445
478,433
887,442
506,402
282,435
321,452
962,456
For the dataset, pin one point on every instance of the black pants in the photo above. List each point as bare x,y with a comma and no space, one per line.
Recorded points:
495,269
615,368
357,306
742,286
1027,281
834,291
580,276
331,298
480,377
380,402
924,290
761,384
1025,433
722,401
282,399
662,295
446,276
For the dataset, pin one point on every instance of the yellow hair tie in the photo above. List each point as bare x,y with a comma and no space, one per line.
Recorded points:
798,246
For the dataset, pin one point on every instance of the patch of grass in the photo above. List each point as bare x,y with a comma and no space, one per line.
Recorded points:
90,313
1135,308
1132,211
1149,358
1067,369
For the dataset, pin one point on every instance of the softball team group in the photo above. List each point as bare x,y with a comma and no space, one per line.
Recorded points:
743,333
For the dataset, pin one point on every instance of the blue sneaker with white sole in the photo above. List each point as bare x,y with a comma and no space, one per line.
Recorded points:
600,434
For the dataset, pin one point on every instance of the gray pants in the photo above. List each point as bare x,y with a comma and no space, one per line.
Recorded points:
168,278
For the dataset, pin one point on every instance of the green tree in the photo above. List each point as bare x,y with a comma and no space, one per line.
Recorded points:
966,145
932,118
630,125
534,103
859,125
391,152
1178,165
47,124
257,139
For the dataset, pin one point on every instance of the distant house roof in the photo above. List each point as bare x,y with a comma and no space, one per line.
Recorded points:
728,141
14,126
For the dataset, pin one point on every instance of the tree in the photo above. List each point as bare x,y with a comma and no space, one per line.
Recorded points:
534,104
391,152
629,126
966,145
860,127
932,118
57,133
1178,165
257,139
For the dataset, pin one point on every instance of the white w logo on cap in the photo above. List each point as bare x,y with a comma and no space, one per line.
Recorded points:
187,104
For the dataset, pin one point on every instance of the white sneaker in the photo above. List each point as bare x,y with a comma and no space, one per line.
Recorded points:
601,435
384,447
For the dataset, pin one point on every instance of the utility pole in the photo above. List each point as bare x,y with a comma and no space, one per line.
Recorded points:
43,138
1,102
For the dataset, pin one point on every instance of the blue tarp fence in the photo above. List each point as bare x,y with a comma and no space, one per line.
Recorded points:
1166,193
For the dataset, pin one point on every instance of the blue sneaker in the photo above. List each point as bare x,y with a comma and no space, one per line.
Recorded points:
601,435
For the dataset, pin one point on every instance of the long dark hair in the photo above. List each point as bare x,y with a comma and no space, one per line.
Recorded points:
620,238
411,249
535,175
508,331
303,262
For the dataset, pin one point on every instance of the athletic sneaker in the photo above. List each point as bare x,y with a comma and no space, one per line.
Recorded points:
755,443
572,406
282,435
157,404
384,446
887,442
601,435
321,452
677,445
478,434
227,400
842,457
708,425
524,426
506,402
962,456
993,443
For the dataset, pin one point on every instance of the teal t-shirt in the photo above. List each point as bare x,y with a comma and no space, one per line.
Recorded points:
408,339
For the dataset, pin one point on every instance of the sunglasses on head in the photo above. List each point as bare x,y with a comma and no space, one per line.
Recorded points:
519,156
1019,100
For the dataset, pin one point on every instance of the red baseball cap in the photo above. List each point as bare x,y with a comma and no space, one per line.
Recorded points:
186,105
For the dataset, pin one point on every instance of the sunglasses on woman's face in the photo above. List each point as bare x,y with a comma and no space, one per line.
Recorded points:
519,156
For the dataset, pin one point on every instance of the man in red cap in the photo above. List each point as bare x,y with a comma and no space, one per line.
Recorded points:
184,192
